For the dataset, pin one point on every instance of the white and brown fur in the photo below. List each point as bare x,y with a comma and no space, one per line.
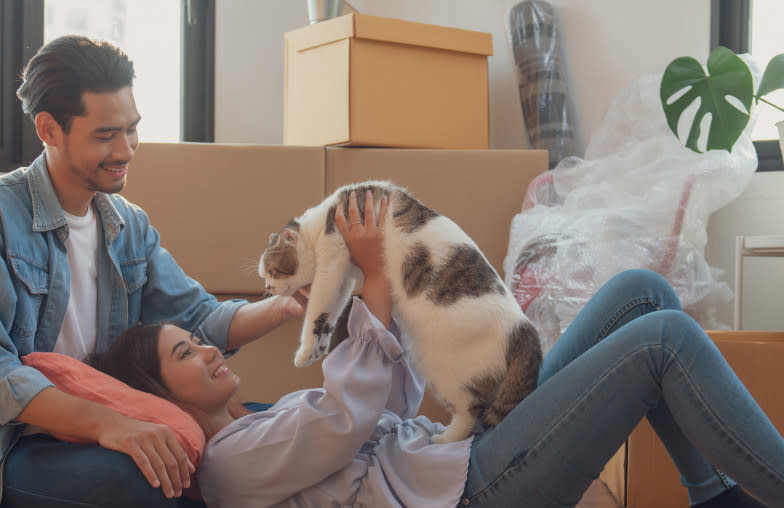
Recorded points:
464,331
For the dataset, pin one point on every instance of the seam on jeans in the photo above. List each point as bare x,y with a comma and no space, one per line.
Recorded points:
722,477
57,499
514,464
720,424
637,302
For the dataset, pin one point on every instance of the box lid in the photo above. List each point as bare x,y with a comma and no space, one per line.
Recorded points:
363,26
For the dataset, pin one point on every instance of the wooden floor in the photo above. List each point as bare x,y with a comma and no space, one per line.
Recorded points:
598,496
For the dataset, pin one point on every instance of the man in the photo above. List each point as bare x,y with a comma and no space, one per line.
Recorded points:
78,265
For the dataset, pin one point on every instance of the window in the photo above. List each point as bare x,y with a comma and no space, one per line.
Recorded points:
747,26
171,43
130,25
17,136
766,42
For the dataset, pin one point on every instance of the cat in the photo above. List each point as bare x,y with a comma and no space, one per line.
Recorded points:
462,328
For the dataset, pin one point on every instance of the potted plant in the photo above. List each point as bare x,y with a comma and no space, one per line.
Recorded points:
685,80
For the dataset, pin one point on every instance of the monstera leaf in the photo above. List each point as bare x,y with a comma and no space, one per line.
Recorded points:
772,79
685,81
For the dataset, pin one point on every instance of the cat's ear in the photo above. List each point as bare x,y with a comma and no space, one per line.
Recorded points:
272,239
288,237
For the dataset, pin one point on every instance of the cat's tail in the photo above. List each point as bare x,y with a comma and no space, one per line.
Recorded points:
523,359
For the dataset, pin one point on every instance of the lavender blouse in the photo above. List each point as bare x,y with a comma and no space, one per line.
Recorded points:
354,442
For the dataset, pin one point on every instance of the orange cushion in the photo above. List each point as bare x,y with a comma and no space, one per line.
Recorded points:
80,380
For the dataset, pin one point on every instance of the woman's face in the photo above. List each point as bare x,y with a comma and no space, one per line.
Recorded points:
195,373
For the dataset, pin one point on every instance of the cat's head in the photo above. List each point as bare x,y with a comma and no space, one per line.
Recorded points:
280,264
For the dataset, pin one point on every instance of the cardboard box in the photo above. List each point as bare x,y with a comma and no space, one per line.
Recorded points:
652,481
481,190
215,206
369,81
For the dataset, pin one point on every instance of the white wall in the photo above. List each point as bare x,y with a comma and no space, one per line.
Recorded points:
606,44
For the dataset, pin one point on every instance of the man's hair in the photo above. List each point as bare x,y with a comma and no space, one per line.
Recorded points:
56,78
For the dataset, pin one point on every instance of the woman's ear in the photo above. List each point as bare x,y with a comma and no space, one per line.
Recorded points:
47,128
288,236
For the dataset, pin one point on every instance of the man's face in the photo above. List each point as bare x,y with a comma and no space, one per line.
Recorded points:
95,153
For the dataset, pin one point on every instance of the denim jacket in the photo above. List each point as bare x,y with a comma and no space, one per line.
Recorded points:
138,282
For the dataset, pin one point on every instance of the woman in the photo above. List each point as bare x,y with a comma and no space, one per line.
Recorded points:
631,353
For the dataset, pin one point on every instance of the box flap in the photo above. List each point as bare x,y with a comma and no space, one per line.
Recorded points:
422,34
312,36
363,26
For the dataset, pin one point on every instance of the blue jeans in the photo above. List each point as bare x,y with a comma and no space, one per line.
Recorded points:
630,353
42,472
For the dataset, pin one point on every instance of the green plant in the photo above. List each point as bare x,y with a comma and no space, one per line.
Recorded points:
685,81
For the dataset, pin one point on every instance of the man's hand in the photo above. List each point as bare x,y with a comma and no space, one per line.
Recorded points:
153,447
253,320
295,304
155,451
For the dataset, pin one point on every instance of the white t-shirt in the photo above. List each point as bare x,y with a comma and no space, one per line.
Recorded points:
77,336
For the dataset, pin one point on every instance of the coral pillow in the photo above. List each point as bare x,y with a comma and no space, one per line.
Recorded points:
80,380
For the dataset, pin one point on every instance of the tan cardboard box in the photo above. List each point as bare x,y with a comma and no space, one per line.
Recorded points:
756,357
215,206
369,81
481,190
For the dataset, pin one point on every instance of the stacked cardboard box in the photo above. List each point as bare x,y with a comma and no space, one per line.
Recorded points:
361,80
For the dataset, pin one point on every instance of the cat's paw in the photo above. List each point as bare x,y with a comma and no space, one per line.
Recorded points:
438,439
455,431
303,358
314,342
307,355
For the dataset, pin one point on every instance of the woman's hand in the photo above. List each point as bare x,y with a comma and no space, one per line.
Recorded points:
364,238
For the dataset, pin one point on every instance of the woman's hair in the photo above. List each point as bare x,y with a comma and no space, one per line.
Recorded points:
55,79
133,359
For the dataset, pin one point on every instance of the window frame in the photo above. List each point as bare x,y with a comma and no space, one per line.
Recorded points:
731,27
22,33
21,37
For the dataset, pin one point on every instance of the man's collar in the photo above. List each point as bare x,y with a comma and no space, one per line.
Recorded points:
47,212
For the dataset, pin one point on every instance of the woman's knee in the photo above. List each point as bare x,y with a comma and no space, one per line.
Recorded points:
674,330
648,283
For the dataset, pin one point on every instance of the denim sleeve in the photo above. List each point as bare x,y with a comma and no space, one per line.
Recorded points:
171,296
18,384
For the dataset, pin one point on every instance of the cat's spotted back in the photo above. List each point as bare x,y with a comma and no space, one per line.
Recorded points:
465,333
